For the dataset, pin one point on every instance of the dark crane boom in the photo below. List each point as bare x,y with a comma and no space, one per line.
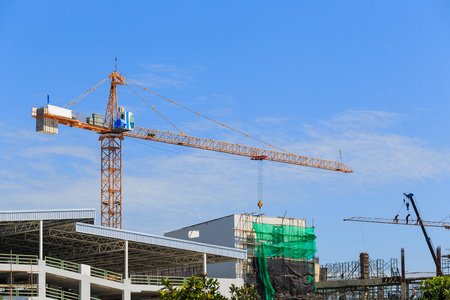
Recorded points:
427,238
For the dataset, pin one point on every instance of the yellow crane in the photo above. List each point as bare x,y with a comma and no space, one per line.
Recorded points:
112,132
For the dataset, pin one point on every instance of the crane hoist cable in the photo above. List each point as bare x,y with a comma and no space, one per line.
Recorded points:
199,114
155,110
173,102
85,93
185,154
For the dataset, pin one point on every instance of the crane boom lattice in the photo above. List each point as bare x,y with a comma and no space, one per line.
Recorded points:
446,225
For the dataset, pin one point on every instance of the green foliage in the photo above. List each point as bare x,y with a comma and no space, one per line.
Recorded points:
242,293
437,288
194,288
202,288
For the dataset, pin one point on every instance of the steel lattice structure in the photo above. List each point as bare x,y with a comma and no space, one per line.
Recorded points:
64,241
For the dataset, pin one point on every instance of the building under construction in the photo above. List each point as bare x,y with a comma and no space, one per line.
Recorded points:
280,252
293,271
62,254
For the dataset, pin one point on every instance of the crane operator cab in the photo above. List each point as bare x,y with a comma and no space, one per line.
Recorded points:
125,122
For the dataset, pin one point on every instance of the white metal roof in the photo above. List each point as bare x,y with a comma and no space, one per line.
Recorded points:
54,214
70,235
161,241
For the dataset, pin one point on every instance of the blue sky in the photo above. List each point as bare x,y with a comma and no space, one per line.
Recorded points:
312,77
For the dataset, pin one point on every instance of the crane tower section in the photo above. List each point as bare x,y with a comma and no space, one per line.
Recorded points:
111,161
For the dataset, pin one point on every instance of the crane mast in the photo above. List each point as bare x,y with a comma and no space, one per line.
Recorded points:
111,139
111,161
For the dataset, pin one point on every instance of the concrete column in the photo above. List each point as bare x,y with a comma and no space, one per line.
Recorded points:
403,265
41,280
380,290
126,259
404,290
41,240
403,281
364,294
205,271
438,261
126,295
85,284
364,265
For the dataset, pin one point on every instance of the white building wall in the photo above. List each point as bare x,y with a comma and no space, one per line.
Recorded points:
217,232
223,232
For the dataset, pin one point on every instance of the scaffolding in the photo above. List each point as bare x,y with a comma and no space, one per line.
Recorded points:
446,265
246,239
378,268
390,291
19,283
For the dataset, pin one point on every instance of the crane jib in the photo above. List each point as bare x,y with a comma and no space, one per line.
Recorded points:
236,149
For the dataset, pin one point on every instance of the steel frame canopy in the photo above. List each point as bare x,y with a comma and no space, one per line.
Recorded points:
70,235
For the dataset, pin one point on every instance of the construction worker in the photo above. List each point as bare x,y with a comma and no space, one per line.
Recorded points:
396,219
407,217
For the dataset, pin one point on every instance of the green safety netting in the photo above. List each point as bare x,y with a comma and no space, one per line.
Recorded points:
282,241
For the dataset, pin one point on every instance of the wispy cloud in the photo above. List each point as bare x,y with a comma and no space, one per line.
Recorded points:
172,190
270,120
373,149
164,76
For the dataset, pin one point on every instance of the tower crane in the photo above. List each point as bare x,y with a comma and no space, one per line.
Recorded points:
418,222
112,133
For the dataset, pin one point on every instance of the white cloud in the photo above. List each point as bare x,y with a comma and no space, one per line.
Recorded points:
70,150
172,190
163,76
269,120
373,150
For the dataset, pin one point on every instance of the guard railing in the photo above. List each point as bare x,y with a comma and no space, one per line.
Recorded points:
62,264
156,280
19,292
61,295
108,275
18,259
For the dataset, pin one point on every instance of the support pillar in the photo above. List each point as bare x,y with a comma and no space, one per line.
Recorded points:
380,292
41,239
403,280
364,265
126,295
41,280
126,259
205,271
85,285
438,261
